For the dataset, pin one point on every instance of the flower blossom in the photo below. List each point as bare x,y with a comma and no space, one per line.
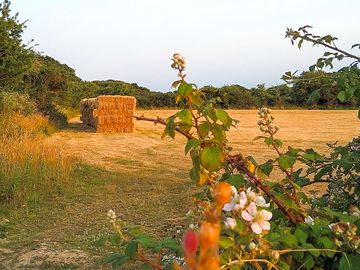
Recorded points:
309,220
240,201
230,223
259,219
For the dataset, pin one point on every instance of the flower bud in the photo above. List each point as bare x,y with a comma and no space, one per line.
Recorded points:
275,255
230,223
190,242
222,193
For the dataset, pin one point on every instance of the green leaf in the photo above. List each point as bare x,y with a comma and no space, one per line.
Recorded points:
286,162
211,158
267,167
268,141
308,262
131,249
191,144
341,96
237,180
301,236
349,262
226,242
116,259
176,83
290,240
171,244
185,116
204,129
218,132
184,89
308,156
223,117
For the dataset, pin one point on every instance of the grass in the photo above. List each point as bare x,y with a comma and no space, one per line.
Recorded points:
143,178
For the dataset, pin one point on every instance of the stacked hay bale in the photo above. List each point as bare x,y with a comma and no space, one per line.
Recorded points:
109,113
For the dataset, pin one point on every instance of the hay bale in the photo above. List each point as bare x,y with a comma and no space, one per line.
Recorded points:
109,113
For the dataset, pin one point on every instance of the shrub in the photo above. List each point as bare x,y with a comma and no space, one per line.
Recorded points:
13,102
248,219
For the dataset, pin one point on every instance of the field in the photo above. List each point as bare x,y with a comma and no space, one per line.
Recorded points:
143,178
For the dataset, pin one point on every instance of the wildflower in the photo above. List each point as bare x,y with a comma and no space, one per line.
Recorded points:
259,219
111,214
230,223
309,220
230,205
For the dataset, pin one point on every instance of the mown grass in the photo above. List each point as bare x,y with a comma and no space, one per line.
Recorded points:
143,178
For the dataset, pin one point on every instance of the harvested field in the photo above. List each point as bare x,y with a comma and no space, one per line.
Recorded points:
143,178
298,128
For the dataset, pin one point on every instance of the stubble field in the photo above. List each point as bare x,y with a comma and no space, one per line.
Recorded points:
143,178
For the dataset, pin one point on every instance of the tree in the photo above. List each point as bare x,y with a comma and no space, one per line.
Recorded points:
15,57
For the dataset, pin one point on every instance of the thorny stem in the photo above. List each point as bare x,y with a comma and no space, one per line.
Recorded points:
237,163
330,47
288,174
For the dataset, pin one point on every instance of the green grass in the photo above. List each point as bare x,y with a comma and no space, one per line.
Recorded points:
77,219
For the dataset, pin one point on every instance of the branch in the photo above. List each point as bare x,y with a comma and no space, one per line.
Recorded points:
314,182
161,121
238,163
330,47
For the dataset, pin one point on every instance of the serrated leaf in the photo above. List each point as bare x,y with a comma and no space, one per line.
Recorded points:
191,143
286,162
131,249
237,180
349,262
341,96
185,116
204,129
223,117
226,242
218,132
211,158
116,260
184,89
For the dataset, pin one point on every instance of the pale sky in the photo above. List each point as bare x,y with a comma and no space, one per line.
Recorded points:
225,42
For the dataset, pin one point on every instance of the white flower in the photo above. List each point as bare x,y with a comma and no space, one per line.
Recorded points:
259,219
230,223
230,206
111,214
240,201
309,220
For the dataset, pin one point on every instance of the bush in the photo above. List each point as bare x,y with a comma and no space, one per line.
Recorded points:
13,102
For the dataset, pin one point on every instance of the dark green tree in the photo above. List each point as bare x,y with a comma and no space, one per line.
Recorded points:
15,57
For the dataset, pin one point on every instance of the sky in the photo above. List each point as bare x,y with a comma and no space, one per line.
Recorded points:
224,41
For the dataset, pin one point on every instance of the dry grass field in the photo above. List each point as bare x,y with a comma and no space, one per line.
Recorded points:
143,178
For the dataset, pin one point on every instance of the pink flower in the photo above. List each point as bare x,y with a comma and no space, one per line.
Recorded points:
259,219
230,223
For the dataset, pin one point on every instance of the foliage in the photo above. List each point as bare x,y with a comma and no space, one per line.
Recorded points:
15,57
251,220
12,102
347,79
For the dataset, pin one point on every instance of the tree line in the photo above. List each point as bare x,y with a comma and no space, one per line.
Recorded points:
52,85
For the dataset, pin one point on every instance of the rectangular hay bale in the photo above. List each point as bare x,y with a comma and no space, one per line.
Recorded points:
109,113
